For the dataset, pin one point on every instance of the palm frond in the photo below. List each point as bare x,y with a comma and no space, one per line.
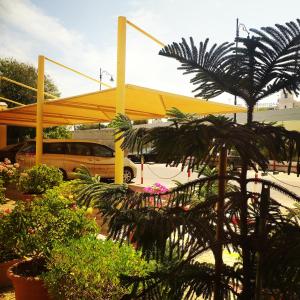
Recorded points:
278,59
210,65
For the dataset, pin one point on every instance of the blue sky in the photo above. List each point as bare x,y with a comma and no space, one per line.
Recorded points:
82,35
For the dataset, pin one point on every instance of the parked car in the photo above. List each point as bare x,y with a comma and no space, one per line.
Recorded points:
149,157
67,155
233,162
10,151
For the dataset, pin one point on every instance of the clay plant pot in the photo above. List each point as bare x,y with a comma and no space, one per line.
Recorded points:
27,197
4,280
27,287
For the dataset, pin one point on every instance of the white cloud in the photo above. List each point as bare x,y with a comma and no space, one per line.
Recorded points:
26,31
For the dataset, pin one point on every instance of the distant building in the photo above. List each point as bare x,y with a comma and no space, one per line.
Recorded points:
286,101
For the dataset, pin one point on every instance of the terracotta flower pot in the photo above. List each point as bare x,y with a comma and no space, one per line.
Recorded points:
27,287
4,280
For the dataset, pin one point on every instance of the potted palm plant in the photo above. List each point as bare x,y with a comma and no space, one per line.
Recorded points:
264,64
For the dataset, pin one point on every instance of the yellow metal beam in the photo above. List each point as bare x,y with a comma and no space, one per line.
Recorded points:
146,34
77,72
8,100
120,96
39,109
25,86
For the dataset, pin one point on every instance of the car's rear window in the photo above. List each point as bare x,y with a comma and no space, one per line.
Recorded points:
54,148
83,149
27,148
101,151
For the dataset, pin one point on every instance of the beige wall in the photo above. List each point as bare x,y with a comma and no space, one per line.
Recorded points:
103,136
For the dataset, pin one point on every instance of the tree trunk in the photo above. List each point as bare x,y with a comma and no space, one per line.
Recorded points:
218,291
246,294
262,237
250,114
244,235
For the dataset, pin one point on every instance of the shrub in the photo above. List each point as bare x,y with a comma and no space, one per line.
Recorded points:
39,178
2,191
8,242
88,268
8,172
32,228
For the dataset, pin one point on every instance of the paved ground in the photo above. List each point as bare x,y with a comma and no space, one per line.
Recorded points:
166,176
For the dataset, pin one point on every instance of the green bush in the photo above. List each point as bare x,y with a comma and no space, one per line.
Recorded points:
39,178
32,228
88,269
2,191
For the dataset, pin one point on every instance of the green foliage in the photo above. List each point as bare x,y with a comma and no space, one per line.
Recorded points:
57,132
8,249
140,122
27,74
281,269
2,191
88,268
90,126
32,228
39,178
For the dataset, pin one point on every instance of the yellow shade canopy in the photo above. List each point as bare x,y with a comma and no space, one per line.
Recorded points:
140,103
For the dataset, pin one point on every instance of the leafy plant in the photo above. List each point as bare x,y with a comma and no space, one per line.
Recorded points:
39,178
202,139
32,228
88,268
8,172
7,246
2,191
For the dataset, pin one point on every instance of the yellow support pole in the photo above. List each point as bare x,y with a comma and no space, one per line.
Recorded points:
11,101
24,86
120,95
3,136
39,110
77,72
146,34
3,129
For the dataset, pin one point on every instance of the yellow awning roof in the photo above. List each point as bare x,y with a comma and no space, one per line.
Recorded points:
140,103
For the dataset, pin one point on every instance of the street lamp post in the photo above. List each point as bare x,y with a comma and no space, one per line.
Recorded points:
103,72
244,28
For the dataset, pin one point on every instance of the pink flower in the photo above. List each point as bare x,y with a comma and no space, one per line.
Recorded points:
7,161
148,190
157,189
7,211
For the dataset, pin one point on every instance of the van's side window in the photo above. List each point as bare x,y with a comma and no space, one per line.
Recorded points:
29,149
54,148
79,149
101,151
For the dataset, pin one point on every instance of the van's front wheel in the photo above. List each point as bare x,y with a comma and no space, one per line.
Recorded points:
128,175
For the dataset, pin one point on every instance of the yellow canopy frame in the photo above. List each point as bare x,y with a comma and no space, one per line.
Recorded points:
102,106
